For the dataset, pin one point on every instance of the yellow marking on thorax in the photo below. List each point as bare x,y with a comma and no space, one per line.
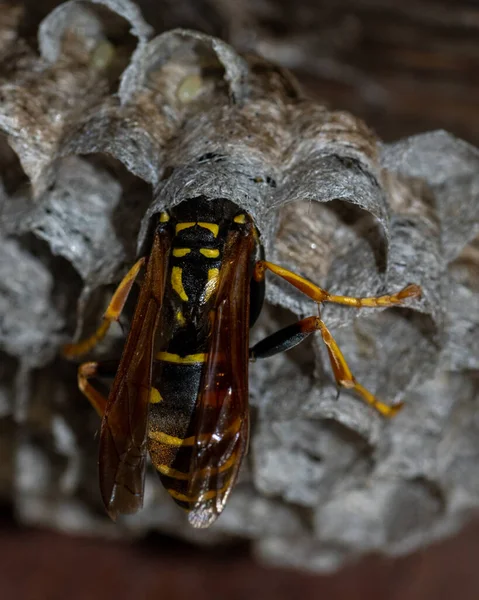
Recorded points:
164,217
171,440
240,219
213,227
180,226
211,284
189,359
210,252
179,252
177,283
155,396
180,318
182,476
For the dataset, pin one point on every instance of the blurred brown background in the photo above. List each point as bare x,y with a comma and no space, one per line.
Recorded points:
38,565
404,67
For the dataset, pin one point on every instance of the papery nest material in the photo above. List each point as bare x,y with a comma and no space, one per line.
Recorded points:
98,139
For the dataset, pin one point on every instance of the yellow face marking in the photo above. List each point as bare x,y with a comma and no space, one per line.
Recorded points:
180,226
164,217
211,284
170,440
179,252
210,252
177,283
155,396
189,359
240,219
180,318
213,227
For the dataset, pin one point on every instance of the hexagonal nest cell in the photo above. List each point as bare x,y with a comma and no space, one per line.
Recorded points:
105,126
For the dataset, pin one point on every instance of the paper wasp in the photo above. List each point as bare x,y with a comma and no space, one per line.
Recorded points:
181,387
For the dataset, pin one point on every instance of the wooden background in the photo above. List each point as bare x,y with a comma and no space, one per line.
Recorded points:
39,565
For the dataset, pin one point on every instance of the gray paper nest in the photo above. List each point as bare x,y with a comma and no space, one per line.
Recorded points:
107,127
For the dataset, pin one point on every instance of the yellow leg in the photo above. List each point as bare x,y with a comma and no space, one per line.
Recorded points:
341,371
85,372
112,313
345,378
319,295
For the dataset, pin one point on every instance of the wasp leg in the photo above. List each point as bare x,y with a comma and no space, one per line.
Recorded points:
87,371
345,378
319,295
112,313
294,334
284,339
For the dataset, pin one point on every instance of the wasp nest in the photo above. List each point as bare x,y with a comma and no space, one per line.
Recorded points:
104,128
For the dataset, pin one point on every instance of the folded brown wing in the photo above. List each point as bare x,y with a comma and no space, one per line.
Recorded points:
123,434
222,415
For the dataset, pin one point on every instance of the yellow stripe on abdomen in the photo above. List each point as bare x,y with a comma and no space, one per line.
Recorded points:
170,440
181,475
203,497
189,359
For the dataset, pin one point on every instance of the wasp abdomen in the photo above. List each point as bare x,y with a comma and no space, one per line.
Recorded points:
171,438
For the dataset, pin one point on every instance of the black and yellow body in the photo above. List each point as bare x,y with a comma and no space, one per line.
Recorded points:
199,232
180,391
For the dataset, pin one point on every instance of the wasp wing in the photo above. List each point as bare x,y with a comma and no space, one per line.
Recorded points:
123,434
222,415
